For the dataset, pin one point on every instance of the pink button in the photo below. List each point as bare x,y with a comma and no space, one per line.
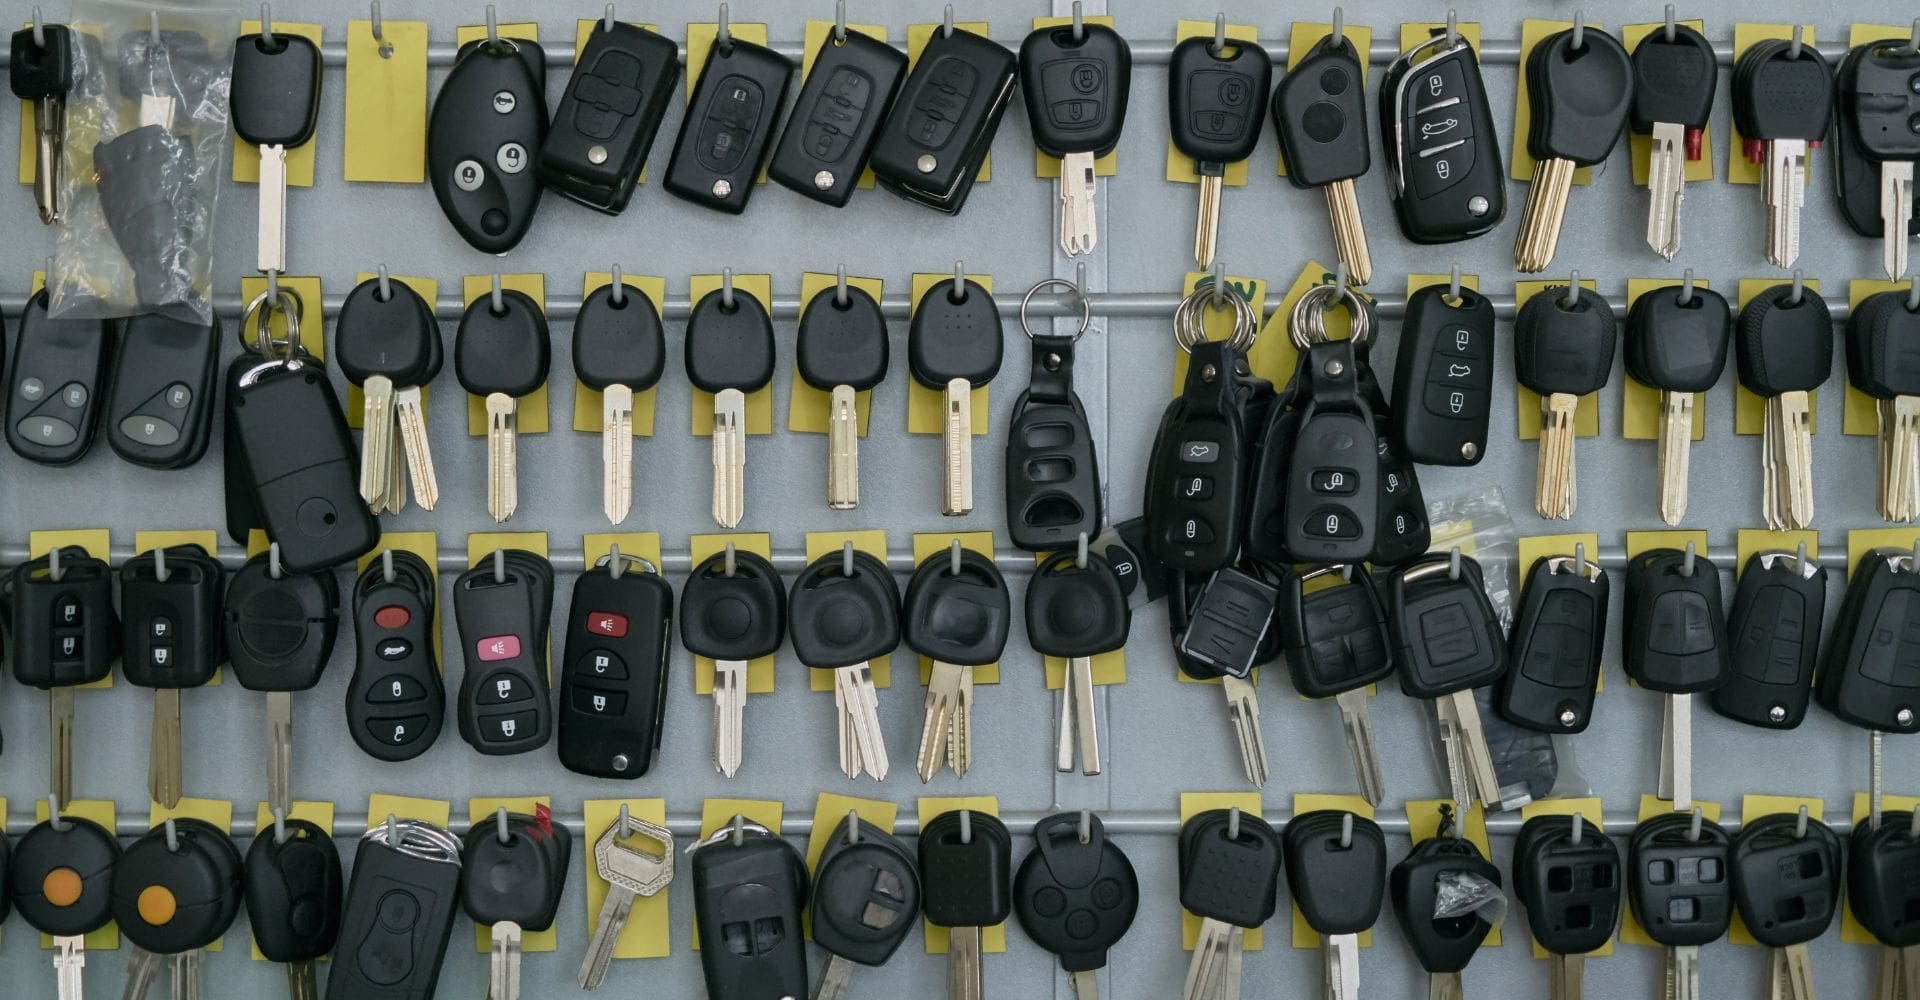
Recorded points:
498,647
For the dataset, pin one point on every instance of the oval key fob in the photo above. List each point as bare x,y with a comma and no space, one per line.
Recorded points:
293,892
62,876
487,126
54,390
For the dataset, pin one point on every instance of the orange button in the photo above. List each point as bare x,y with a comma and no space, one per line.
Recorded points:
61,887
157,905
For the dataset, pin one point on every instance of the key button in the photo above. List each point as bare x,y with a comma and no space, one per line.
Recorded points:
607,623
1445,82
593,702
1195,488
1334,482
1441,126
394,689
1191,531
1435,170
506,728
468,175
604,665
398,732
503,688
1332,522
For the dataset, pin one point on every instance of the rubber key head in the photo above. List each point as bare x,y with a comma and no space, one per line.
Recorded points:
748,901
1337,872
1076,89
1678,884
1783,346
1334,639
1075,610
170,901
729,347
279,632
1774,630
1779,96
1877,92
37,71
618,344
293,892
966,874
62,876
1883,346
838,620
1580,96
842,344
1675,639
1678,347
1883,879
1440,867
1230,874
395,335
1075,898
275,90
488,123
506,351
1217,99
1673,81
960,618
866,894
520,879
1320,112
1561,348
955,334
1786,887
1871,668
1571,890
1445,631
733,617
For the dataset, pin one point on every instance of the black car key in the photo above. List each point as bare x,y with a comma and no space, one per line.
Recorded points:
176,890
1677,343
278,630
1444,168
1448,644
488,125
1883,867
61,872
1786,887
728,128
1076,80
396,701
956,613
1868,673
841,349
1230,879
58,380
1675,636
1320,114
734,608
1882,364
1335,643
1443,377
502,352
1774,634
1076,895
729,353
1053,473
1782,104
1337,872
293,888
63,633
749,889
1216,107
1228,628
399,913
513,872
274,101
1567,874
1674,76
1783,351
866,898
619,349
503,607
1196,475
613,680
160,407
837,117
1077,611
1442,867
966,884
954,346
170,640
1856,175
387,341
1563,347
297,460
941,128
1678,886
41,71
1554,652
1581,86
1331,485
607,119
843,612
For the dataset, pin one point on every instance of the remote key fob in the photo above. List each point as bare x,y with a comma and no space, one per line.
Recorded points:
298,463
488,124
59,375
401,900
729,126
1443,377
607,120
837,117
1443,157
396,702
1553,655
160,409
613,686
502,607
941,129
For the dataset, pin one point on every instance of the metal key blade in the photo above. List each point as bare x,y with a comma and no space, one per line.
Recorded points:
943,692
1676,450
1553,487
616,452
843,450
280,751
504,974
396,498
69,961
1086,984
1079,726
1795,964
376,440
1566,975
1243,707
606,934
1683,970
1784,182
960,730
964,981
729,710
1477,753
860,721
1206,223
273,210
409,411
1341,953
50,127
1540,220
957,500
163,750
302,981
143,969
1078,231
1349,232
833,979
1910,971
1896,215
1445,986
729,457
1666,183
1676,753
1795,433
60,743
1359,726
503,474
1203,969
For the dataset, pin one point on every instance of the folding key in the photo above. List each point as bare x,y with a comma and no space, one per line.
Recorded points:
1450,643
1077,611
176,890
1053,470
749,890
159,409
1443,377
728,127
1076,895
502,607
1216,107
1783,350
396,700
1782,103
502,352
278,630
1320,112
171,639
57,382
844,611
1220,634
1880,333
1674,75
941,128
387,342
1883,864
63,634
1075,80
1230,878
488,123
400,866
1336,865
1197,471
734,609
1677,343
41,71
836,119
1774,630
1675,642
866,898
613,685
1678,887
1563,345
1554,653
630,872
1868,670
1447,184
1567,875
513,874
729,353
1336,644
954,346
294,888
622,85
1581,80
957,613
966,868
619,350
841,349
1786,887
1441,868
275,102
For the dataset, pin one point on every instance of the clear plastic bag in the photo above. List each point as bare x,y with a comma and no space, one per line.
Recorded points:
1463,894
146,140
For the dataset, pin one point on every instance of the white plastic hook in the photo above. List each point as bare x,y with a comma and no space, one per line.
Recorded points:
1339,33
723,37
499,296
846,558
39,31
617,289
1913,285
1573,290
726,282
1219,32
1453,285
386,566
500,828
946,23
1693,832
853,827
1913,41
493,28
160,571
839,22
1670,27
1346,830
966,815
273,285
953,553
1079,23
727,563
625,822
606,20
279,826
54,572
1798,43
615,564
739,829
53,803
1579,829
386,285
266,24
173,837
379,30
1080,554
1086,815
1686,563
1233,823
1453,563
499,565
1686,287
1800,824
393,830
153,27
840,298
1913,829
1340,274
1799,288
959,293
1580,557
1579,31
1453,27
1219,281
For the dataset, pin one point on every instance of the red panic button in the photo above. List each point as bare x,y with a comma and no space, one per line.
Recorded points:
393,616
607,624
498,647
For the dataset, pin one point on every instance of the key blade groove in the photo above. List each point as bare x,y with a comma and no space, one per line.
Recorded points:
843,450
729,457
411,416
958,498
1358,722
1349,232
1666,184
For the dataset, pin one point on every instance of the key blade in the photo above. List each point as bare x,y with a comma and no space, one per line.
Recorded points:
1086,724
503,475
376,440
1675,450
612,917
410,415
729,708
1666,183
50,120
303,981
1896,215
1078,185
729,457
1206,223
1086,984
1445,986
1477,752
1677,779
1349,232
1684,966
958,497
272,256
964,980
616,452
1358,721
1243,707
69,961
60,742
1540,220
1341,953
934,732
843,449
1785,186
280,751
163,751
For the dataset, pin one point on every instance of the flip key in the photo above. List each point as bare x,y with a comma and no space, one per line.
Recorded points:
487,125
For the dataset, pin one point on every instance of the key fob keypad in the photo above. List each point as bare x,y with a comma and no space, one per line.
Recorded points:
170,628
487,126
160,408
293,890
621,87
65,632
1675,638
1554,652
1053,475
613,684
1677,884
396,701
55,388
1774,628
279,631
940,130
729,126
505,705
1444,168
1196,475
1443,377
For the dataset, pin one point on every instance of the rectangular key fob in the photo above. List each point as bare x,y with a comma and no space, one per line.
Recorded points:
301,466
59,377
613,684
609,115
1553,655
1443,377
837,117
398,914
1444,169
942,127
1196,475
506,703
747,901
1774,629
729,126
1331,511
63,632
160,409
1871,668
170,629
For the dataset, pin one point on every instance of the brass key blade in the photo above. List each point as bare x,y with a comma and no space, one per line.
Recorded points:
616,452
958,497
503,475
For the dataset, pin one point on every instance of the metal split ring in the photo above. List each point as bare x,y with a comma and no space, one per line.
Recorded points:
261,311
1086,308
1305,326
1190,319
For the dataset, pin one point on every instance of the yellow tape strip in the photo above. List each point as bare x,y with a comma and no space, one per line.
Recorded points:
386,114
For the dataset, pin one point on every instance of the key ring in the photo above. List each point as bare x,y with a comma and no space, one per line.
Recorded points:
626,560
261,310
1305,326
1086,308
1189,320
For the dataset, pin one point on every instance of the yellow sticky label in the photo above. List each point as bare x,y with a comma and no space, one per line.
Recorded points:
1641,146
1180,166
428,289
207,540
1304,936
1305,35
320,814
1423,823
482,810
98,543
760,670
817,34
1740,169
1893,809
421,543
1193,804
1861,541
215,811
808,408
587,413
246,155
104,813
530,411
1108,668
993,940
380,806
701,37
647,933
718,813
1652,806
874,543
1749,410
927,408
482,544
759,401
1753,807
1217,319
306,296
1751,541
1588,808
386,118
1273,356
1047,166
1640,403
1527,416
917,37
830,810
1642,541
1533,31
927,544
1861,415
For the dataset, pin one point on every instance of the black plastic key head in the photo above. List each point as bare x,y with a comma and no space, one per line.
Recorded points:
940,131
170,617
62,874
35,70
955,334
279,631
1883,879
1673,81
1196,475
391,333
1786,883
416,874
966,870
396,701
1443,377
1554,652
749,890
621,87
842,343
1075,84
293,890
1439,872
866,894
613,688
1774,635
1677,880
488,123
837,117
1217,100
169,900
289,448
1783,344
1781,94
1228,628
618,342
1883,346
1320,112
1076,893
1053,472
957,617
1677,338
1446,172
1564,348
1336,870
733,615
503,607
1872,664
275,89
519,877
502,350
1581,96
729,346
1446,634
837,618
63,632
1075,610
1230,867
729,126
58,378
1878,93
1570,882
1334,639
159,409
1675,639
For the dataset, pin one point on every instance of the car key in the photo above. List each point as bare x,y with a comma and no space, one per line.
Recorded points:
1448,643
1076,896
836,119
1440,867
1330,487
1053,473
842,613
1554,652
1782,103
749,888
503,606
1856,177
401,869
630,872
1336,645
942,126
966,871
609,115
1581,94
1567,874
1878,330
1563,346
278,630
62,875
293,888
1447,184
396,701
1443,376
1196,475
171,639
502,352
159,410
176,890
956,613
1677,885
954,346
1124,547
619,349
729,353
1867,671
1675,642
613,682
1786,888
41,71
274,101
387,341
1674,77
513,870
63,634
487,125
1220,635
1076,610
1336,865
866,898
1229,878
1216,107
728,128
1783,351
1774,631
1881,859
1320,114
1677,343
59,377
734,609
841,349
1075,80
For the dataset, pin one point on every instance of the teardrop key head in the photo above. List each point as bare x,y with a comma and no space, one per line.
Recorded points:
1561,348
1441,865
842,344
506,351
1581,96
959,618
729,347
396,336
618,343
866,894
1336,869
1570,887
1676,347
1883,871
1784,345
955,334
275,89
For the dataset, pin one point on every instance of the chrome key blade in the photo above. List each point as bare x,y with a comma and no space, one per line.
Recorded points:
1784,185
1683,965
272,232
376,440
163,751
1896,215
729,710
1676,453
729,457
614,911
504,978
60,743
957,499
1078,185
302,981
411,417
1666,183
50,129
860,722
1243,707
833,979
1358,722
280,751
1341,953
843,449
964,981
937,730
503,474
69,961
616,452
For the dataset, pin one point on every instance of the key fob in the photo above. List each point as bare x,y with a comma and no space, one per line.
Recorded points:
301,466
1677,884
1075,897
1227,875
1332,505
519,879
866,894
1554,652
1570,887
1336,864
608,118
940,130
836,620
160,409
1334,639
396,701
1774,632
1444,167
1075,610
399,914
487,125
58,378
837,117
63,633
1320,114
1786,886
966,881
1226,630
1883,867
1676,630
168,901
1869,673
1445,631
293,890
728,126
62,876
747,900
1053,474
1196,475
613,682
170,628
506,705
1441,866
1443,377
279,631
1856,176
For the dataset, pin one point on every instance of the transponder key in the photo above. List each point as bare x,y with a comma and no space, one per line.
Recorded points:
275,101
613,685
1075,80
488,123
502,607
